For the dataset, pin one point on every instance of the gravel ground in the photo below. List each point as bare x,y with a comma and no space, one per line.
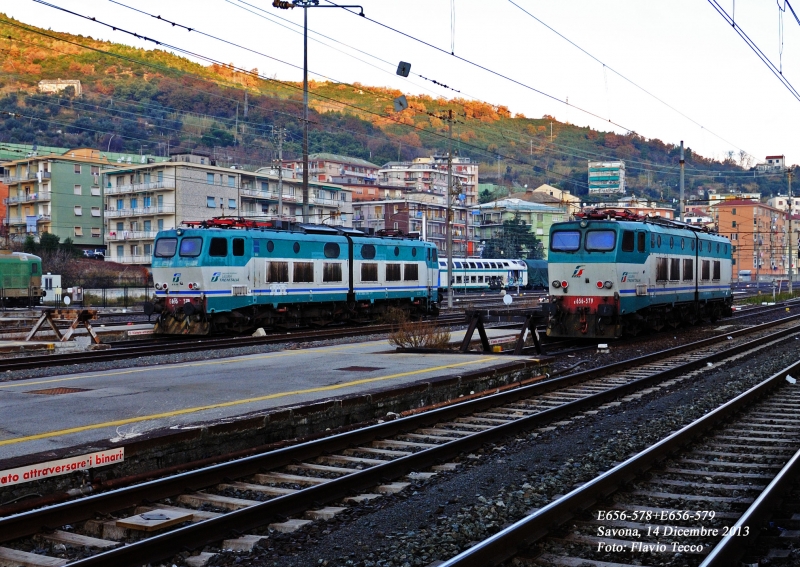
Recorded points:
501,484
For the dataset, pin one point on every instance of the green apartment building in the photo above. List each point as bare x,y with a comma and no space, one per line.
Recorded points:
59,193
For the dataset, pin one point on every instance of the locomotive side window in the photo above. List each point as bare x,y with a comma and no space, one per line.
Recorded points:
688,270
411,272
717,270
413,251
683,243
471,264
658,241
396,250
303,272
674,269
218,247
692,245
165,247
296,247
717,247
34,268
627,241
369,272
277,272
640,241
565,240
368,252
393,272
270,246
458,265
601,240
705,270
661,269
238,246
672,242
191,247
331,272
435,254
331,250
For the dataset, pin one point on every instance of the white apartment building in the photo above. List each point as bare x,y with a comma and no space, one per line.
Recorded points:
143,199
781,202
429,175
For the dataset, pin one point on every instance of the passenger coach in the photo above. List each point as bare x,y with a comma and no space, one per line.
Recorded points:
483,273
233,275
614,273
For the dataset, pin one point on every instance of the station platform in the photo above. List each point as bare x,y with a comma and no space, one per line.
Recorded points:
50,417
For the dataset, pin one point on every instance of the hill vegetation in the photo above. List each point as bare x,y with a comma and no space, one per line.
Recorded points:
156,102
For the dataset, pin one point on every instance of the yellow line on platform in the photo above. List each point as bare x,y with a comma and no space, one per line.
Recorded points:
27,383
186,411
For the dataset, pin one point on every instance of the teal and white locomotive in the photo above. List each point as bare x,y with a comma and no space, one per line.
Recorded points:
614,273
234,275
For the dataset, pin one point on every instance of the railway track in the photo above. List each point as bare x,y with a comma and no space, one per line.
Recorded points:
284,489
708,490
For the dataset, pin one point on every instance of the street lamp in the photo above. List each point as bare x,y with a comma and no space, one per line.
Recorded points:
305,4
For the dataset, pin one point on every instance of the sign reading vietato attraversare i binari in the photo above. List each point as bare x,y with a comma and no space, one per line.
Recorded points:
62,466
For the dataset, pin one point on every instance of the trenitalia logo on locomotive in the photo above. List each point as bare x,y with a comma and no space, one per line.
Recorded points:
224,277
176,277
578,271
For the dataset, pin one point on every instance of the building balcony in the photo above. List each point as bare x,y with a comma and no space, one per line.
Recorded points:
143,260
117,235
28,176
137,187
31,197
142,211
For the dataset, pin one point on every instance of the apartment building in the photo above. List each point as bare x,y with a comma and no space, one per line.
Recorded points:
424,215
58,193
759,238
537,216
333,168
606,177
429,175
781,202
143,199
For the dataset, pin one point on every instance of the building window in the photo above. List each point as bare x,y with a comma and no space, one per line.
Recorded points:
148,226
78,231
160,224
134,202
148,249
77,168
120,204
95,169
211,202
95,191
77,190
210,178
78,210
231,181
231,203
95,211
95,232
120,250
160,176
733,211
734,224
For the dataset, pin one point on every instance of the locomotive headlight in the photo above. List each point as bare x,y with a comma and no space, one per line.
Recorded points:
608,284
165,285
599,285
564,284
158,286
556,283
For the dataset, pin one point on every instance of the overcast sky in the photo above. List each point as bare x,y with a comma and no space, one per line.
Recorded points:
719,95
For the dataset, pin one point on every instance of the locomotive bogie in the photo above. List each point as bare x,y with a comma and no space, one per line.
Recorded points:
610,278
210,280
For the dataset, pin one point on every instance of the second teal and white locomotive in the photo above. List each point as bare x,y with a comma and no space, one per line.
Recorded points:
613,274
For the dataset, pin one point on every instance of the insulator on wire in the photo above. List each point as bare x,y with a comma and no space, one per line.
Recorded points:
282,4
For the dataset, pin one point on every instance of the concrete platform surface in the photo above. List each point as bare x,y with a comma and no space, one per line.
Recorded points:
58,412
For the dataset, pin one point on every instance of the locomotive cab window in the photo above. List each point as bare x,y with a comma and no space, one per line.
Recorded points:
717,270
705,270
627,241
411,272
369,272
640,238
218,247
34,269
565,241
191,247
277,272
331,272
600,240
674,269
238,246
165,247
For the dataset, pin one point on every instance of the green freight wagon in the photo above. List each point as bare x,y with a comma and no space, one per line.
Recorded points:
537,274
20,279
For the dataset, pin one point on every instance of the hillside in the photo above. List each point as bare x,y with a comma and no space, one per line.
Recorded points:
154,101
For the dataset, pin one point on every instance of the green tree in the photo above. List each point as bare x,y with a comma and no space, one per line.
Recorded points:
48,242
69,247
29,245
515,241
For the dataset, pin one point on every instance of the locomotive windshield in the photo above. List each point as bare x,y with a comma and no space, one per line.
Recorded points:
191,246
165,247
566,240
601,240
